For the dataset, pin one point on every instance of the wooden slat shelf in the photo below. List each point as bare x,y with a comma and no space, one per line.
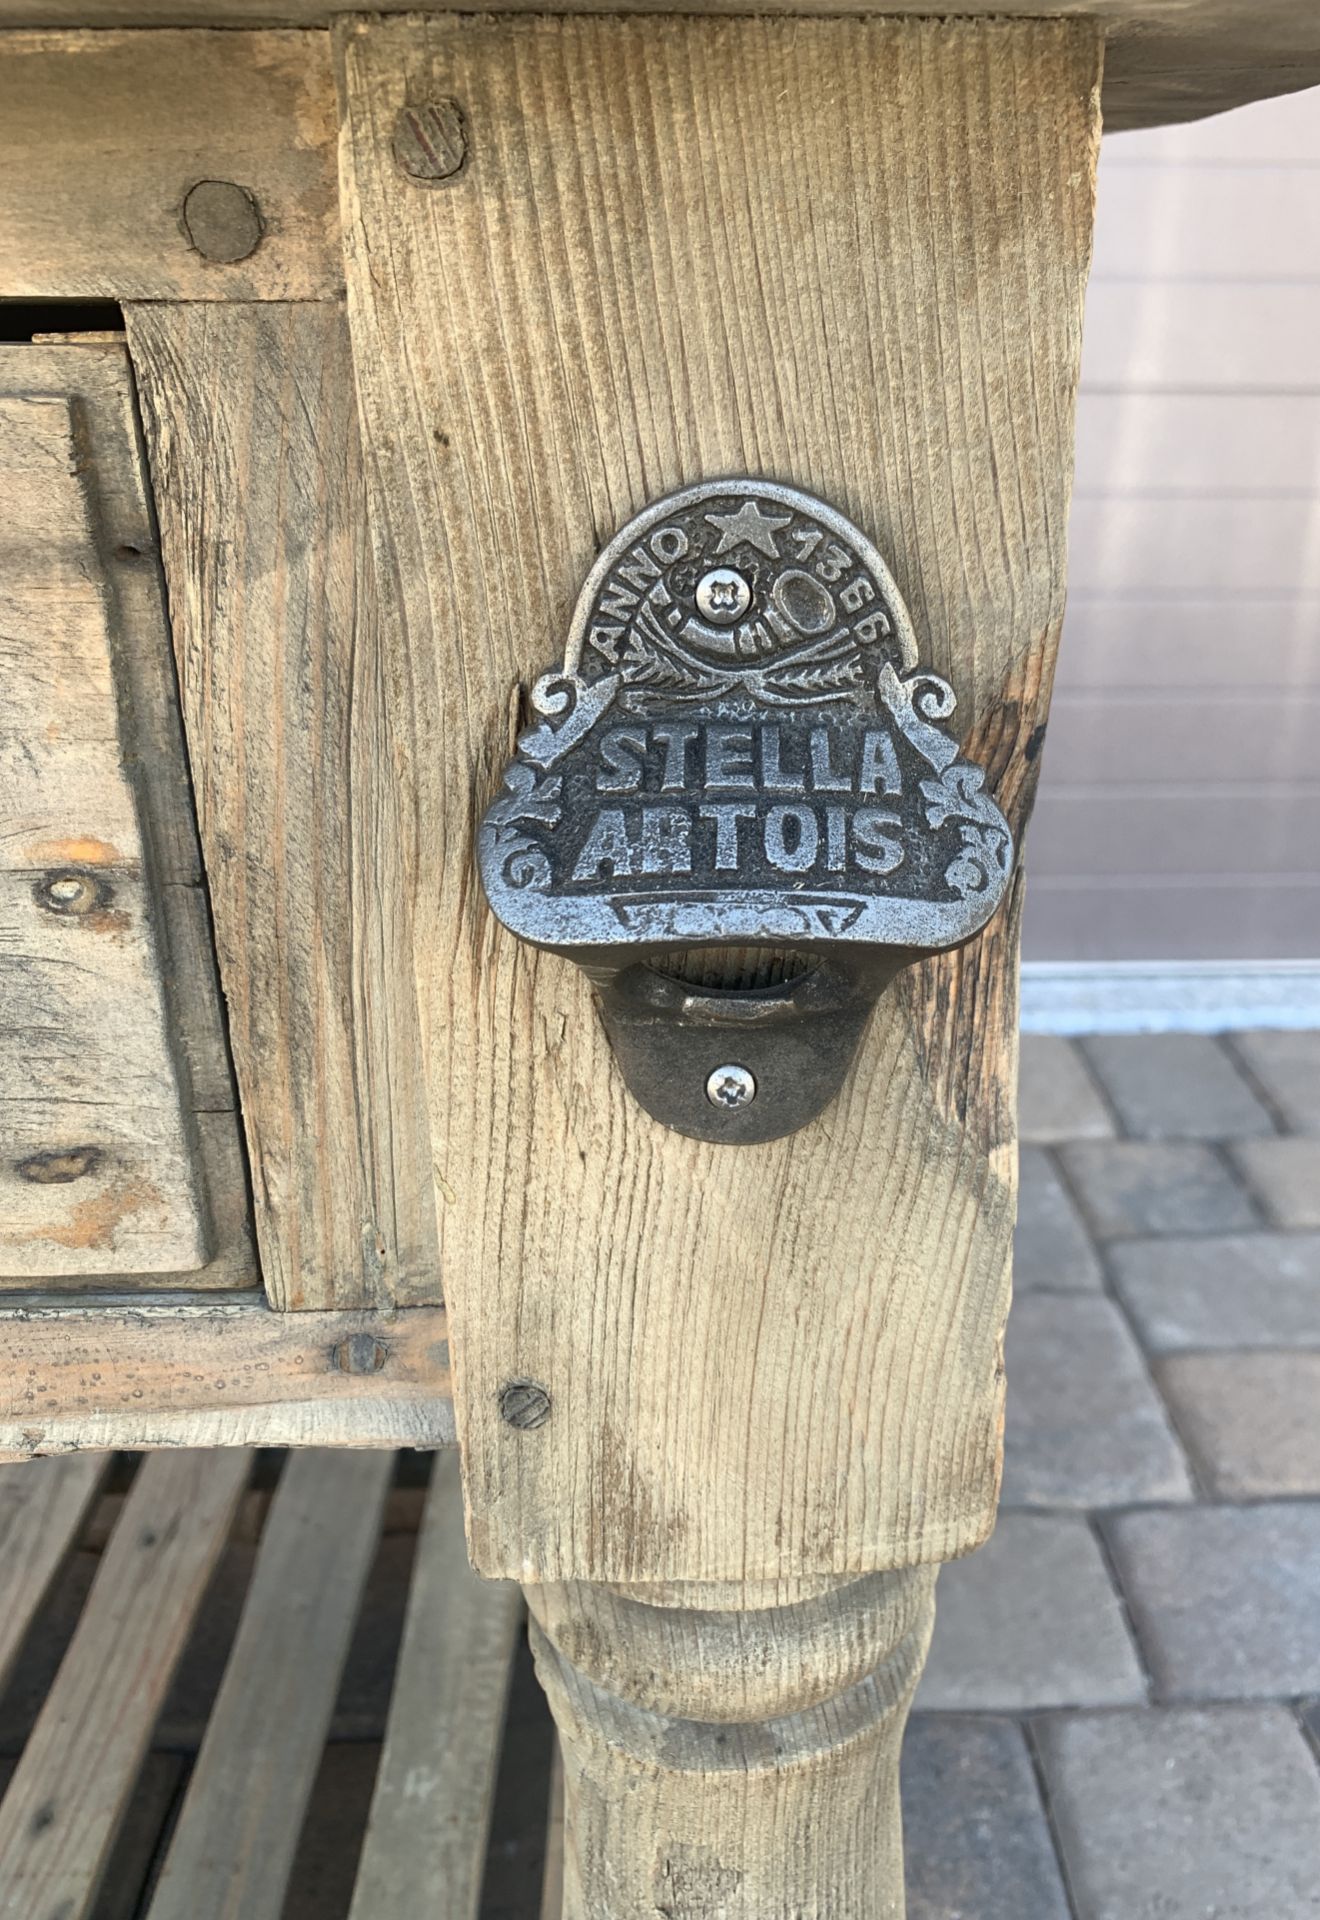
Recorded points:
107,1814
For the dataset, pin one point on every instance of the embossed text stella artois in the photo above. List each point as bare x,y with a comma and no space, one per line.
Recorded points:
742,746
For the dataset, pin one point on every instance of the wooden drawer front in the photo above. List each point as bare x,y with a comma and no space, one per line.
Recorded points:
103,1158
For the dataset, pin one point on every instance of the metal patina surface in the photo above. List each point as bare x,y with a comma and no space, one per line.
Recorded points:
741,750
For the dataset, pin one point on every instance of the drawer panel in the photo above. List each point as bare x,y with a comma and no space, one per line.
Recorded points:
110,1036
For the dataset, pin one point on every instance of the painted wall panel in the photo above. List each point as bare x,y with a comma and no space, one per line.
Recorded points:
1179,809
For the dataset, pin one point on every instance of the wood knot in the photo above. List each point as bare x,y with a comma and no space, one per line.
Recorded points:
59,1165
68,892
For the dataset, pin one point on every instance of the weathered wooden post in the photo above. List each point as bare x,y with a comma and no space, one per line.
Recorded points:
725,1406
612,476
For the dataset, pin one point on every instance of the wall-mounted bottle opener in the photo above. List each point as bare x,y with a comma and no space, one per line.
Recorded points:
737,811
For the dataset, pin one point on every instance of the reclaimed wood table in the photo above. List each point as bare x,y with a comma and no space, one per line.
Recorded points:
346,349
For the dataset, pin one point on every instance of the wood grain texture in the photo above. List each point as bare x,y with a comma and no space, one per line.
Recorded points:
102,136
250,421
42,1508
859,268
233,1848
120,1150
69,1791
741,1764
425,1845
164,1375
1167,60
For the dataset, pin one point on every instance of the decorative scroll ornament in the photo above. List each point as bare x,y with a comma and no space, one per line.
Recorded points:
741,748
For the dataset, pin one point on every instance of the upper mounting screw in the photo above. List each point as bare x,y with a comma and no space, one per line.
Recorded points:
430,141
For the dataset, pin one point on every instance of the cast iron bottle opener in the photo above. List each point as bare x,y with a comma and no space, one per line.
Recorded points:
738,811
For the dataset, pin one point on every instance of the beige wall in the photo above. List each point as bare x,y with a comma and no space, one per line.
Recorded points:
1179,812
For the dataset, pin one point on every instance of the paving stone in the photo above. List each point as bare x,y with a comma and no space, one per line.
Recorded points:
1225,1600
1030,1620
1192,1814
1284,1176
1131,1187
976,1840
1287,1065
1057,1098
1234,1290
1175,1086
1251,1421
1085,1426
1051,1247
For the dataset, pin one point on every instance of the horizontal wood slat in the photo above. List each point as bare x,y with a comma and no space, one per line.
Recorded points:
59,1816
150,1375
272,1818
105,138
233,1848
41,1510
425,1847
1166,60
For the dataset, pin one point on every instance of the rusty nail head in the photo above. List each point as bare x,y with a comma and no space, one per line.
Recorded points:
222,221
524,1404
430,141
360,1353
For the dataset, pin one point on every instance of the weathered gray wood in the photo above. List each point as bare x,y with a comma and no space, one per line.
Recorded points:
425,1848
112,1042
77,1772
234,1845
727,1756
42,1507
252,429
161,1374
104,135
1167,60
785,1360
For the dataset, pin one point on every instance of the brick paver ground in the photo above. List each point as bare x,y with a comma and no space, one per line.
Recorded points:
1121,1714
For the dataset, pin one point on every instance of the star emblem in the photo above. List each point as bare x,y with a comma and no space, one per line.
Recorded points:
750,524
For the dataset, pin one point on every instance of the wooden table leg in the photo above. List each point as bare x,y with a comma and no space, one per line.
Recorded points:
640,255
733,1753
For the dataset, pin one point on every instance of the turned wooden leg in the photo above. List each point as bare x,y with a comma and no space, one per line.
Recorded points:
732,1753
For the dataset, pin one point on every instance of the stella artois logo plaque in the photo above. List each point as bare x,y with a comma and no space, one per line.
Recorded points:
741,749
